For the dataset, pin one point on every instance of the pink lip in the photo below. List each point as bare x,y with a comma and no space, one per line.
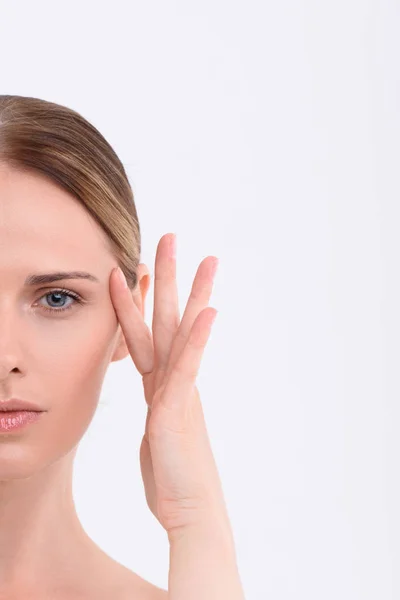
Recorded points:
14,420
16,404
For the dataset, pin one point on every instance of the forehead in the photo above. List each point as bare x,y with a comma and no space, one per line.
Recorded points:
42,224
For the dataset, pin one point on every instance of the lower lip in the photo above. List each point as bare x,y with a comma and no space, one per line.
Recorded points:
17,419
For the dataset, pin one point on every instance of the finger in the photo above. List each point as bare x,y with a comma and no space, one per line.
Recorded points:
137,334
198,300
166,306
182,379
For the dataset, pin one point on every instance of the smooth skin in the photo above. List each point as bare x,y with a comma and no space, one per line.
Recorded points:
58,359
181,480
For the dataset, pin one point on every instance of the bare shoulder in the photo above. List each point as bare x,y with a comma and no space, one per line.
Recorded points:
141,589
154,593
115,580
135,587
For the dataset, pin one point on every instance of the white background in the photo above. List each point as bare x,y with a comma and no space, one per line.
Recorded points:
267,134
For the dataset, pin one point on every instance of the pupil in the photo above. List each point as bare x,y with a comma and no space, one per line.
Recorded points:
57,295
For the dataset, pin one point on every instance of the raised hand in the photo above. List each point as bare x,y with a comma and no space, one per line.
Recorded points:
181,480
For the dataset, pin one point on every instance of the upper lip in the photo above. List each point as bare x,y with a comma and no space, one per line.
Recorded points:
16,404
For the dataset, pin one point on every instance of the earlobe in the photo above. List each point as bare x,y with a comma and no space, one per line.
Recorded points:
142,287
121,350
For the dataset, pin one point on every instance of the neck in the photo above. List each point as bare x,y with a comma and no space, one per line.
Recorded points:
41,538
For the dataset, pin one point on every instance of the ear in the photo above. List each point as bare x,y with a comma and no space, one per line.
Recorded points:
139,296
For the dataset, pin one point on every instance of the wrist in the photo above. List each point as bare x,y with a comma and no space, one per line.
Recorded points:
205,525
203,561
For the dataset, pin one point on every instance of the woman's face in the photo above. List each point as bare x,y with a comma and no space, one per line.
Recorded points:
56,359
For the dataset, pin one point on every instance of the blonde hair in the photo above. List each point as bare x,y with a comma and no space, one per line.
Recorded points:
47,138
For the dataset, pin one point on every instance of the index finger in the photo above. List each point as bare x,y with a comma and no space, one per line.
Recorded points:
137,334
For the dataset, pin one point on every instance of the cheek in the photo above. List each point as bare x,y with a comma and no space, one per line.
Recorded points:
75,370
66,370
80,364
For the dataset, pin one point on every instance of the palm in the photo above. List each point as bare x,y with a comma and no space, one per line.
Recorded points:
175,447
158,433
146,463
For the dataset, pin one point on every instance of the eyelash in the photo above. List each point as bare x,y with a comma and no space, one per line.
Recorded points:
69,293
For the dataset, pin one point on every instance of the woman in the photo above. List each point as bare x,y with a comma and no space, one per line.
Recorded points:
68,230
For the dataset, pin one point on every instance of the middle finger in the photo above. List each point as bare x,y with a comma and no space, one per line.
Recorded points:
198,300
166,308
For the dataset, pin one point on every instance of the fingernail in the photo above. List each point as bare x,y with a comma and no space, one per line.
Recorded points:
122,277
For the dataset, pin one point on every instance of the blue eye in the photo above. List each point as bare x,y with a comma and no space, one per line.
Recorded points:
59,293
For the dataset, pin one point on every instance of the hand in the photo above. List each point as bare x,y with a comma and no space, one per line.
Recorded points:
182,485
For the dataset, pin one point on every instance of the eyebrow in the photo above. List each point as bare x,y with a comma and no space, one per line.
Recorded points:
37,279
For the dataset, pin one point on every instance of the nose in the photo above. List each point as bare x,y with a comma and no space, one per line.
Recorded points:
7,366
8,345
